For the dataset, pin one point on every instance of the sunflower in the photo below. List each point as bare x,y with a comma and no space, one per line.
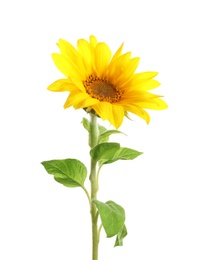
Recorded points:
104,84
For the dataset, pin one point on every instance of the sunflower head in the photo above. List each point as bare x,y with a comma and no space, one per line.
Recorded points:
104,84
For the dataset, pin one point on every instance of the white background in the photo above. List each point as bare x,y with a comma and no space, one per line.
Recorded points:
160,191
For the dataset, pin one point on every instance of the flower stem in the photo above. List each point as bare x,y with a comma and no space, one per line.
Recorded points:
93,140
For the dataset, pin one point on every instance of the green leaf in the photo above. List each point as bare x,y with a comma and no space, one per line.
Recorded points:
104,136
86,124
120,236
101,129
104,151
69,172
122,153
112,216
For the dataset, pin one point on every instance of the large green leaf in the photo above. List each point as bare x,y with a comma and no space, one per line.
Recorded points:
104,136
122,153
104,151
112,216
120,236
69,172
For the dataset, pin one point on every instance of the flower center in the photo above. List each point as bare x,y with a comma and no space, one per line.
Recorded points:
101,89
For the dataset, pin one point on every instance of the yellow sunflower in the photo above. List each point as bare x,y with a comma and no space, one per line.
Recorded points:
104,84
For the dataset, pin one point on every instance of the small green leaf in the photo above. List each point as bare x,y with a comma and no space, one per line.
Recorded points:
122,153
120,236
112,216
104,136
101,129
86,124
104,151
69,172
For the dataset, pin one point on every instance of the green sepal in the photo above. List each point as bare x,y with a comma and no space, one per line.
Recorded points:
120,236
69,172
104,136
128,116
104,151
122,153
112,216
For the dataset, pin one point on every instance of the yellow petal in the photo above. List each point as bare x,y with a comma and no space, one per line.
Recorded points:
132,66
134,94
146,85
62,85
111,112
102,57
65,66
86,101
144,76
138,111
79,100
78,83
143,99
117,115
133,88
118,53
155,104
103,109
128,73
86,53
93,41
73,57
118,67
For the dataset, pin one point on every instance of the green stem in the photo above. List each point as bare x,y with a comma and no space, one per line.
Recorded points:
98,173
93,140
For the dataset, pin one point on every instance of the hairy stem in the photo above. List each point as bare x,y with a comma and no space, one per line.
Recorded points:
93,140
